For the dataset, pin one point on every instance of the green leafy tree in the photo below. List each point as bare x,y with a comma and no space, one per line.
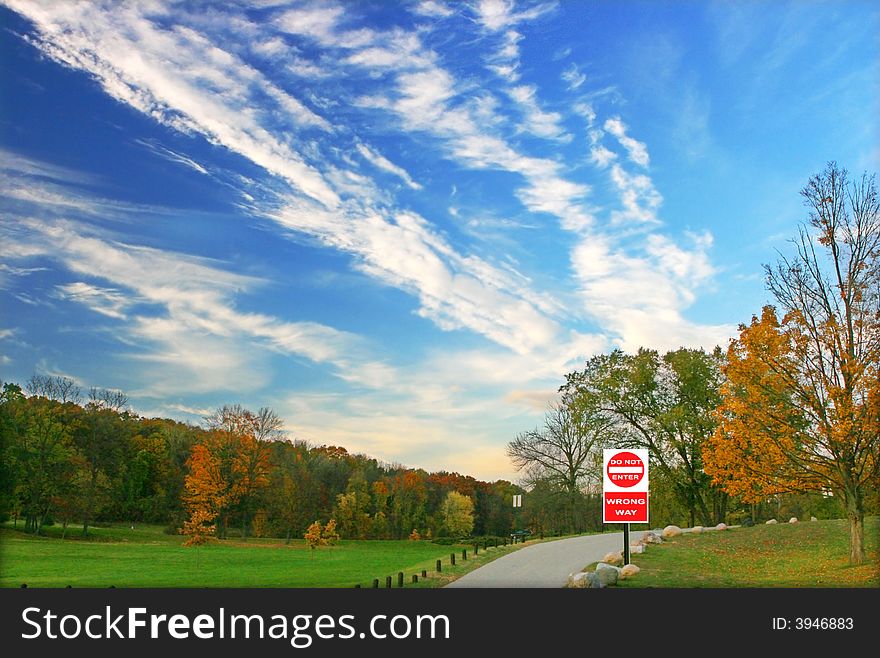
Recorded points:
665,404
42,455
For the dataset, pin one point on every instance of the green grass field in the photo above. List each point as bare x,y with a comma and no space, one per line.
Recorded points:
784,555
146,557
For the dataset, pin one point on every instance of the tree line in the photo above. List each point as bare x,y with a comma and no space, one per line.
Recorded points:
69,458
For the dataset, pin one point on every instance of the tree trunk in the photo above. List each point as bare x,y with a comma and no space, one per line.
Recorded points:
90,498
855,512
287,540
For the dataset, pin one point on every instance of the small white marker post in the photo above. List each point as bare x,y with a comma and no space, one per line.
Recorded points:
517,503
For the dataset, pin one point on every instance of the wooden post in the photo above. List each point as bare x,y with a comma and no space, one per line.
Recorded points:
452,559
439,566
476,549
424,573
400,579
358,586
415,578
375,583
464,554
388,582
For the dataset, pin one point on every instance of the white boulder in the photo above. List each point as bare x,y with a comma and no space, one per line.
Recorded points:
813,518
697,528
771,522
652,538
629,570
793,519
579,580
604,565
638,549
671,531
607,574
613,558
721,526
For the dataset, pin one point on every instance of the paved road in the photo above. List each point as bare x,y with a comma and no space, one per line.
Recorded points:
547,564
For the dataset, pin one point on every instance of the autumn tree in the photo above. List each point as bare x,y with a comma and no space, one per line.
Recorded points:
329,534
199,528
457,513
801,407
241,443
408,497
314,535
206,494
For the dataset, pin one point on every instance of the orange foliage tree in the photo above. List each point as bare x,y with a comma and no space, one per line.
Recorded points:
229,468
314,536
329,534
801,406
239,442
205,495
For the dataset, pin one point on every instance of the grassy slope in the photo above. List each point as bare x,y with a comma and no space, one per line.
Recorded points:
784,555
145,557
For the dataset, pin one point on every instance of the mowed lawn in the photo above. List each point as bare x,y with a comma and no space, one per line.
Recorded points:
805,554
146,557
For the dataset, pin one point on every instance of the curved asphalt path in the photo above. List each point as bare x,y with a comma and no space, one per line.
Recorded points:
547,564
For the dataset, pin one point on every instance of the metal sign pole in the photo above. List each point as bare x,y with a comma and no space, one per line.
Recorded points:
625,544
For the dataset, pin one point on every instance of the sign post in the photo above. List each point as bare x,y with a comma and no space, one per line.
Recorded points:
517,503
625,490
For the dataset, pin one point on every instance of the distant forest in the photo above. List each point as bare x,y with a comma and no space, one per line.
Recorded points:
74,459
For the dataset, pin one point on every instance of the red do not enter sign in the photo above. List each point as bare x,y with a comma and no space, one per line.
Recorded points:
625,469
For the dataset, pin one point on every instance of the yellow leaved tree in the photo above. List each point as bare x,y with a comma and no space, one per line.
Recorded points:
801,403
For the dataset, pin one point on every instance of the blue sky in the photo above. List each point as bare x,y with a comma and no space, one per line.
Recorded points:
400,224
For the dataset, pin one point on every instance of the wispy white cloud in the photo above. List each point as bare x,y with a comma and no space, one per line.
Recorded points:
497,15
637,151
383,163
178,77
638,196
422,101
105,301
190,319
26,184
641,298
454,291
601,156
172,156
574,77
433,8
537,121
